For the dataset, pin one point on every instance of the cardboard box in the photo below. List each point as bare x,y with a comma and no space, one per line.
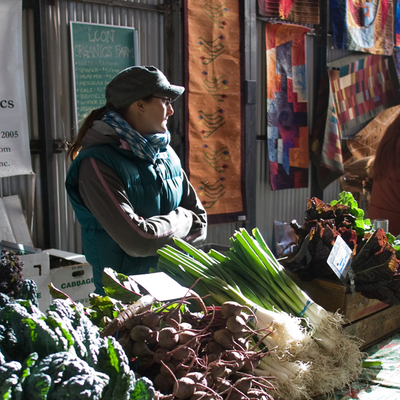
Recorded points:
13,225
61,258
76,281
37,268
73,275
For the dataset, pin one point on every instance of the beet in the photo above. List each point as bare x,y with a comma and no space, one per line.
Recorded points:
224,337
184,388
162,354
151,319
231,308
133,321
168,337
185,336
236,324
164,383
181,354
141,333
199,395
213,347
141,349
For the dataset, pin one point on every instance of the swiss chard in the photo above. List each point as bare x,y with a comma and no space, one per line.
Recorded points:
360,224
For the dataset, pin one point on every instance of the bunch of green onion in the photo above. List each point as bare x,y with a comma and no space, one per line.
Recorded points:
310,353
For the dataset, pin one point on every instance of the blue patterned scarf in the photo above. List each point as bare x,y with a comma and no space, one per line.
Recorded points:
145,147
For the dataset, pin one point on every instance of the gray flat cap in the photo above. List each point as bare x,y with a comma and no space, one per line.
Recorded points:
135,83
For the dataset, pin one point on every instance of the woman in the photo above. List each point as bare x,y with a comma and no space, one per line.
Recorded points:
385,194
126,183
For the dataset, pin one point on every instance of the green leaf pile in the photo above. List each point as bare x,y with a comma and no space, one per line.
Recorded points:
60,354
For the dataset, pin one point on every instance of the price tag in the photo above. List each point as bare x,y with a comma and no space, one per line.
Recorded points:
161,286
339,258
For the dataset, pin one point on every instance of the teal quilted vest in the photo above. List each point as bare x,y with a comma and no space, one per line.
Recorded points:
153,189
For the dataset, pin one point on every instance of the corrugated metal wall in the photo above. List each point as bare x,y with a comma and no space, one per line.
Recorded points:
150,27
283,205
147,17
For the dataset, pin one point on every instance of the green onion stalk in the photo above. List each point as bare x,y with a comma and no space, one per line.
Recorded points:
326,327
211,279
302,332
202,273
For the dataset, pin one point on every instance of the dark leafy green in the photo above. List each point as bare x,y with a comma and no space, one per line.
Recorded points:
11,275
373,260
60,354
120,287
376,269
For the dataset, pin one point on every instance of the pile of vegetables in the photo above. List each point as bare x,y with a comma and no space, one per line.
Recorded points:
374,261
207,355
11,273
58,354
309,352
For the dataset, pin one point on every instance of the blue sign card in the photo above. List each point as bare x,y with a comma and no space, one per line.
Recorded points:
339,259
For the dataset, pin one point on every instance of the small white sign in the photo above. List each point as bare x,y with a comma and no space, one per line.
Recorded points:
339,258
161,286
15,156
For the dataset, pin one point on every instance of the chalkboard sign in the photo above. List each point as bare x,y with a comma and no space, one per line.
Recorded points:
99,52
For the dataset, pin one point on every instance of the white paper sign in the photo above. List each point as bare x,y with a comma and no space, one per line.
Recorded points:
161,286
15,157
339,258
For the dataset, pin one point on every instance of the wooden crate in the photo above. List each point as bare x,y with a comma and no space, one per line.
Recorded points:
375,327
367,319
334,296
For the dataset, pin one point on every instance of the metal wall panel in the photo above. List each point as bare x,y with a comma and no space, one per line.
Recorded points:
150,27
148,18
271,206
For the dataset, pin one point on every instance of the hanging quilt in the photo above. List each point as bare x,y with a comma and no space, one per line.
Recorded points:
366,142
398,23
365,26
325,144
396,59
299,11
361,87
327,149
214,121
287,131
396,50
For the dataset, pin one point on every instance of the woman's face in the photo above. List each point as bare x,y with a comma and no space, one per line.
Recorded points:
149,117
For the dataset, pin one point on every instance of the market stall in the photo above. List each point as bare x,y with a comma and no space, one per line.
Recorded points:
234,324
319,321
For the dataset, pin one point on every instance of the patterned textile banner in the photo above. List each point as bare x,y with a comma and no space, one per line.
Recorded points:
299,11
365,143
396,50
287,129
361,86
363,26
326,151
356,91
331,155
215,123
398,23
